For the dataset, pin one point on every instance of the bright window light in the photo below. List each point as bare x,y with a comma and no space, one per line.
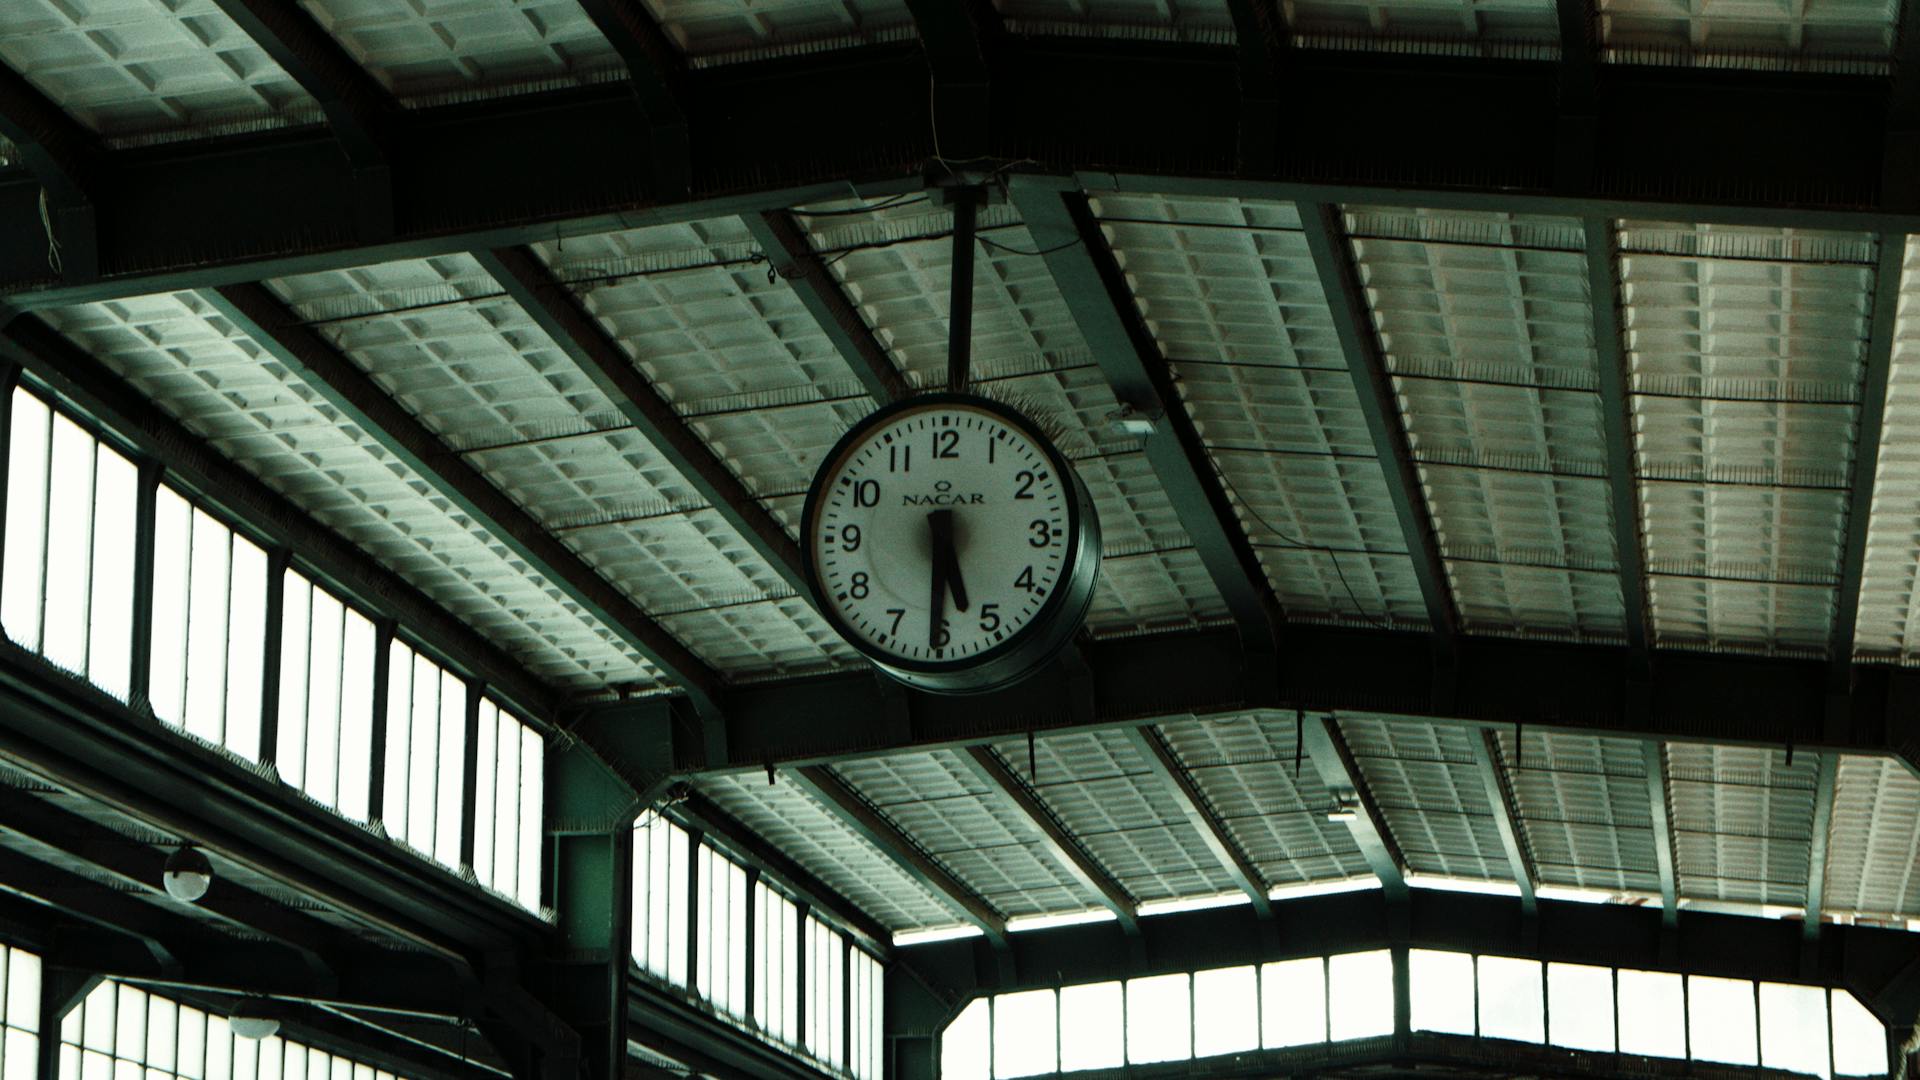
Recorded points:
1580,1001
1091,1027
1360,1001
1653,1009
1793,1028
939,933
1720,1020
1293,1003
1159,1019
1441,986
1049,922
1859,1040
1574,895
1323,888
1194,903
1464,885
1025,1040
1226,1011
1511,1005
965,1045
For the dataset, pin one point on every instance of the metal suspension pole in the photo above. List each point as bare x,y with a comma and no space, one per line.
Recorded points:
966,205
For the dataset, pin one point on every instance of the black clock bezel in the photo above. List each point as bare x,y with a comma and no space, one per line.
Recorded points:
951,676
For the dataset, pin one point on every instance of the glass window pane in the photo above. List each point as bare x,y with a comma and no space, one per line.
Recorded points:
26,520
1859,1040
424,752
356,716
1360,994
395,799
290,748
246,648
1441,986
1653,1009
110,628
1091,1033
1159,1019
211,545
450,788
1580,1001
323,697
98,1024
23,990
21,1053
1793,1028
167,667
965,1044
162,1027
130,1024
487,776
1025,1041
1226,1011
1510,1000
1720,1020
69,543
531,820
1293,1003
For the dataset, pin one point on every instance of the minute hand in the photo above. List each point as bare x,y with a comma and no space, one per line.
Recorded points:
955,582
940,528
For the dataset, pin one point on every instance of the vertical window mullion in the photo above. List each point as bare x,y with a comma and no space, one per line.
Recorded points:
380,730
278,562
470,770
140,645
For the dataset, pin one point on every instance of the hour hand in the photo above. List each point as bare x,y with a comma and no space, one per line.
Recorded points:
940,526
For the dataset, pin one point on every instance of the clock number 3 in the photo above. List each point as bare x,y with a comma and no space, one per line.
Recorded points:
1042,535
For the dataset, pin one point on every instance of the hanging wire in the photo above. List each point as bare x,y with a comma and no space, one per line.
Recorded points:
1332,556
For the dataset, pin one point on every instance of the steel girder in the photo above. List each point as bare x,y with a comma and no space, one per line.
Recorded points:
1390,128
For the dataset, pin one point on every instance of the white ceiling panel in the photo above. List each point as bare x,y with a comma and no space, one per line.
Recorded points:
1889,622
201,370
1525,28
1207,21
1854,36
1743,822
1873,853
718,31
425,51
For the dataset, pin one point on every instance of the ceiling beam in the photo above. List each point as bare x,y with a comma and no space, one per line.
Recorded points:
165,935
1616,421
191,463
1826,782
838,799
1341,776
264,318
655,70
1654,758
1179,786
1096,293
559,313
1493,777
1261,38
1877,362
1059,845
958,38
64,159
791,254
1333,261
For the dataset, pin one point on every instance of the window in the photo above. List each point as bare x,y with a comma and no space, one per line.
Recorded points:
67,592
776,958
1793,1028
19,1014
966,1046
720,917
1092,1026
121,1031
209,626
325,742
1360,995
826,995
1441,987
1653,1010
1510,996
1720,1020
1226,1011
1159,1019
1859,1040
1580,1001
660,855
1025,1038
1293,1002
510,770
868,991
426,754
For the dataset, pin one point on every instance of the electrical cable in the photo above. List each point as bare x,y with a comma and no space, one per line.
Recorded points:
998,246
1331,555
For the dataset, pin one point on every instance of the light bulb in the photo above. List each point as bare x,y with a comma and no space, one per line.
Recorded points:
187,874
253,1019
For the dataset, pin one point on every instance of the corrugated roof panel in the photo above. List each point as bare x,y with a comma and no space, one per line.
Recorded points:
132,67
1116,806
1742,822
792,823
1203,21
1270,801
421,51
1528,601
485,378
1524,28
1583,809
1873,848
1426,783
201,370
975,833
1889,622
718,31
1746,349
1852,36
1230,294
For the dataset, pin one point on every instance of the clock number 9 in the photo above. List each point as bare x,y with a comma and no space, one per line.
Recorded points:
850,537
859,590
1041,533
866,493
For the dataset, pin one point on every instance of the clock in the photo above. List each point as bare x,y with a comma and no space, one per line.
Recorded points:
948,540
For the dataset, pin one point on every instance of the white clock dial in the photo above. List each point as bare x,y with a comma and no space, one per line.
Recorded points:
942,532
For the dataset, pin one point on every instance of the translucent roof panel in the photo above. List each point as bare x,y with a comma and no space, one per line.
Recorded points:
200,369
790,821
717,31
1889,623
1850,36
1230,294
1484,321
1745,349
1507,28
1109,799
482,375
1583,809
1427,785
895,266
1873,848
1742,822
977,834
1207,21
1245,767
130,68
426,50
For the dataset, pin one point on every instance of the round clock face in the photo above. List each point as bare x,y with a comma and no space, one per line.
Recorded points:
950,542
